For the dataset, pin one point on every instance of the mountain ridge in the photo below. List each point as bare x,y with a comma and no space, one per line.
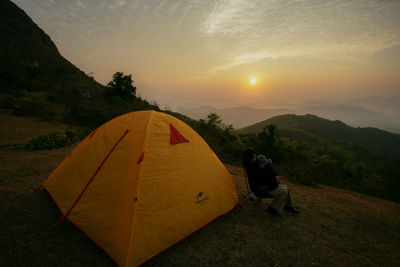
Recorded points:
30,61
373,138
356,116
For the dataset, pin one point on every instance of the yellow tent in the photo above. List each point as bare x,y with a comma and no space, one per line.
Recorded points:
139,184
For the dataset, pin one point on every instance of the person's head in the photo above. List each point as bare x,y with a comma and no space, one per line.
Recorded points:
249,156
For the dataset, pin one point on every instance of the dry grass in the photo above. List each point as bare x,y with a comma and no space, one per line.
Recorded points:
335,227
19,130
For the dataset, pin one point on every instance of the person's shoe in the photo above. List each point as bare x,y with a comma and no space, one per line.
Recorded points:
291,209
274,211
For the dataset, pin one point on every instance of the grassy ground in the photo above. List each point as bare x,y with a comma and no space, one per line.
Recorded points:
335,227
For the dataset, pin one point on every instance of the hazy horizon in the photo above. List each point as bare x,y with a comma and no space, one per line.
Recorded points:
189,53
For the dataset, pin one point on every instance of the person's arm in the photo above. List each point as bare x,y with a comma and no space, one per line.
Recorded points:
263,161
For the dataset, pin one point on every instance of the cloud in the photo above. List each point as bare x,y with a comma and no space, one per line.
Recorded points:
343,68
121,2
333,29
389,56
230,17
117,4
197,39
58,41
243,59
80,4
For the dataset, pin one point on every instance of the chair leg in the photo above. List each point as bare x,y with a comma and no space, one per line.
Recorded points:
258,203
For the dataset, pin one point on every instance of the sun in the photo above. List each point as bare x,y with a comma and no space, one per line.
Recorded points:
253,80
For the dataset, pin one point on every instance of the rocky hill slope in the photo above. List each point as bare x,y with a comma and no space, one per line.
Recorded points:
35,79
30,61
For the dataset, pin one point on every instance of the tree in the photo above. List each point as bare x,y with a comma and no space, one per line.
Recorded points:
214,120
272,133
121,86
268,135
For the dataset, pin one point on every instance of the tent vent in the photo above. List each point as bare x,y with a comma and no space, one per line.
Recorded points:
176,137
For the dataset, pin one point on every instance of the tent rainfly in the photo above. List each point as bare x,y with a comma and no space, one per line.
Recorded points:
141,183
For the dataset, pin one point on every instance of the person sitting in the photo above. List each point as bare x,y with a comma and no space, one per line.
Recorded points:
264,182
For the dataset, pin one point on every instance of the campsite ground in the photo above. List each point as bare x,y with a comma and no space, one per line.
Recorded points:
335,227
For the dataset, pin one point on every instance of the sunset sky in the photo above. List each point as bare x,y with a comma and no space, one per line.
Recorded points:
225,53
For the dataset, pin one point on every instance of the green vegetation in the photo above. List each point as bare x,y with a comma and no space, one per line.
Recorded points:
377,140
88,111
220,137
120,87
307,157
51,141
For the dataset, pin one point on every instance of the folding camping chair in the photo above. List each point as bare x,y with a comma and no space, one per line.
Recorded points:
250,192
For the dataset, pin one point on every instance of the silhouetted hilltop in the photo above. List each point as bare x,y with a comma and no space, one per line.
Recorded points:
365,115
36,80
301,126
30,61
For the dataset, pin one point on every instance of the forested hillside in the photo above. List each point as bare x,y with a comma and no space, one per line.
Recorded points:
310,150
301,126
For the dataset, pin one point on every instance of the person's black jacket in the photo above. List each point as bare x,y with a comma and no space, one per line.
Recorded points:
261,176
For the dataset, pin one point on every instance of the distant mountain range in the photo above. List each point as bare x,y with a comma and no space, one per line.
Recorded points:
304,126
352,115
383,104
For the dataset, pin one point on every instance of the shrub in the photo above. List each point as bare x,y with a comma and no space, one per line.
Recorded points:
51,141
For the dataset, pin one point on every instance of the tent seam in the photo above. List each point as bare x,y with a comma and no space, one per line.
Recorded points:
92,178
131,238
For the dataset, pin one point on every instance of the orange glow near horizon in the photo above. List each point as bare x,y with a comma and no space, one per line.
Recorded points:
203,54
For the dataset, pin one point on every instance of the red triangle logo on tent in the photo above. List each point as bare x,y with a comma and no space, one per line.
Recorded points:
176,137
